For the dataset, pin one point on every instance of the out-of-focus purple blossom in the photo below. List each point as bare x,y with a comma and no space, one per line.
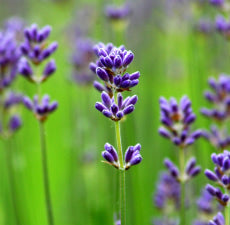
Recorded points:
223,26
82,56
111,66
12,99
114,12
41,109
177,120
9,57
165,221
36,50
15,25
218,138
191,170
167,193
218,3
15,123
204,26
205,203
132,156
219,97
217,220
116,110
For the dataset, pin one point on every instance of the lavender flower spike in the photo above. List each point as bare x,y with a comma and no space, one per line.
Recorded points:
40,109
116,13
111,66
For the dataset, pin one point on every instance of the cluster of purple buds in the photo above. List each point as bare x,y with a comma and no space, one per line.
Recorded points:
204,26
223,199
217,3
177,119
218,138
220,97
111,67
217,220
116,13
132,156
40,109
9,57
168,191
191,170
11,100
35,50
82,56
221,172
223,26
116,111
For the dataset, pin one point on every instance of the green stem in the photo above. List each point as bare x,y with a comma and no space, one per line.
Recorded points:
11,180
227,215
182,183
45,174
122,172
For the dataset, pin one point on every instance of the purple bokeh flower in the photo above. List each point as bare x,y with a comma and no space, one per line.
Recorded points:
167,193
223,26
114,12
217,220
83,54
41,109
177,120
36,50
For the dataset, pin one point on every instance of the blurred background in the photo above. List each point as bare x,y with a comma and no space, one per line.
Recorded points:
176,49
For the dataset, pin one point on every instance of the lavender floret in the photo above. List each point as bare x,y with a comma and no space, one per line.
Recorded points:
41,109
116,111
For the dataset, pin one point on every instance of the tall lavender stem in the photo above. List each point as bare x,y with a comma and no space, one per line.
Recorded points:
11,179
45,174
182,183
122,172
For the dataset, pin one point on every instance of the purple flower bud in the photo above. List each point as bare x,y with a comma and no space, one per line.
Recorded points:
128,109
163,132
106,99
210,175
102,74
128,59
210,189
98,86
117,61
50,68
107,156
15,123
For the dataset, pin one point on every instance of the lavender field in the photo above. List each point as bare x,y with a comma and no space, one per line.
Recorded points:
114,112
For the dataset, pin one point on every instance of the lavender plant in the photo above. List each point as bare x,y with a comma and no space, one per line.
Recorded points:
219,97
10,120
177,119
36,50
110,68
221,177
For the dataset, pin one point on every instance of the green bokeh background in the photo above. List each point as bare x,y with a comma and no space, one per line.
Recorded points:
173,60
